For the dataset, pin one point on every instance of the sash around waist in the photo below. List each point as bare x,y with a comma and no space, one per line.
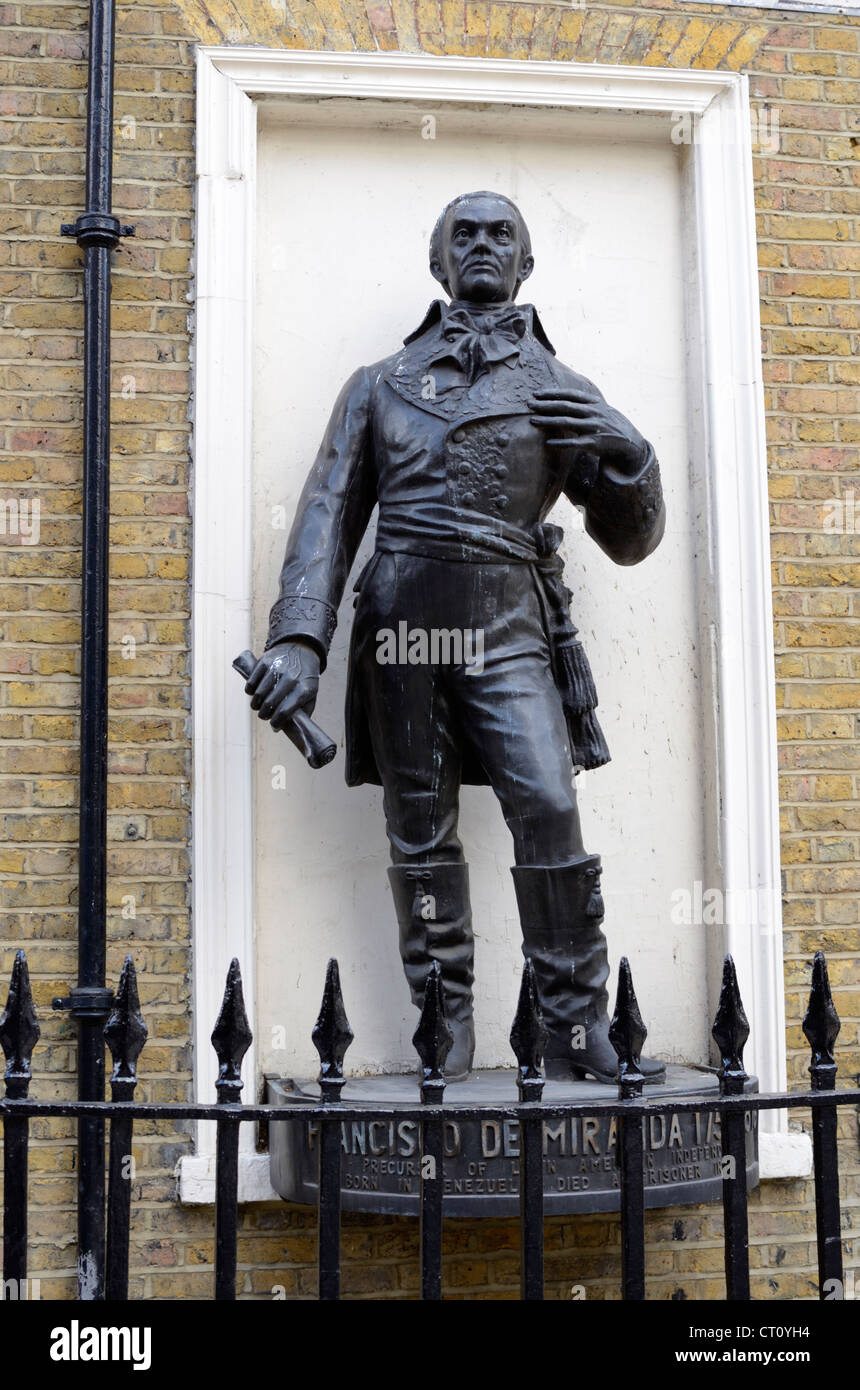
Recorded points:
440,532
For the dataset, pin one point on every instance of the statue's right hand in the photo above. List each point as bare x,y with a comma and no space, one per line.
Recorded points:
285,679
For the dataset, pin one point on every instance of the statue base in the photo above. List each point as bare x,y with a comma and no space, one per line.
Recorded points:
380,1163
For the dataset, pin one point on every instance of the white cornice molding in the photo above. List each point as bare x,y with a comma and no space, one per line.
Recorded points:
801,7
427,77
728,430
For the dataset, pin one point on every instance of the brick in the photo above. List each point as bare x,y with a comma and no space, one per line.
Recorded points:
696,33
719,41
823,63
590,36
746,47
813,286
811,228
838,40
824,696
831,344
668,33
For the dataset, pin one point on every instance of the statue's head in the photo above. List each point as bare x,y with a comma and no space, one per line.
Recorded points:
480,248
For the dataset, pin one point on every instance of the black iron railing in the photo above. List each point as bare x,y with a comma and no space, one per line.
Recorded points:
125,1033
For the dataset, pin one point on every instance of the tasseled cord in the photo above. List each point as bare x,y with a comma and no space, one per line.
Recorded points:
579,698
570,664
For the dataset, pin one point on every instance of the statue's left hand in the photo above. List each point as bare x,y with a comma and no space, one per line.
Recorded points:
574,420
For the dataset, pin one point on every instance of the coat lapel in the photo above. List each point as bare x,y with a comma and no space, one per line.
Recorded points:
438,387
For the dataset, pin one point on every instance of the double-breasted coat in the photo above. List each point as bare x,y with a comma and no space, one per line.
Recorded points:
439,437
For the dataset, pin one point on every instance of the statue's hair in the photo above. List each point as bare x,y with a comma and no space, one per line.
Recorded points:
441,221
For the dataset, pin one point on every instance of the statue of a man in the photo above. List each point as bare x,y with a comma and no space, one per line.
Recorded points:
464,663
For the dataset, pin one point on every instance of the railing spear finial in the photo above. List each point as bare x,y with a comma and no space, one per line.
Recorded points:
231,1037
125,1033
627,1033
332,1035
432,1038
730,1032
19,1030
821,1027
528,1037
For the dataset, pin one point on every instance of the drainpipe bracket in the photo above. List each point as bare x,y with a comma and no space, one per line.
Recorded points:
97,229
86,1001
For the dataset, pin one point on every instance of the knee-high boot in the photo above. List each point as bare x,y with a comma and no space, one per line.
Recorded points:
435,920
561,912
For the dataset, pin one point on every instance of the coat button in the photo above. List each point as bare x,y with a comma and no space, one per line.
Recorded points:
464,469
458,436
500,471
468,499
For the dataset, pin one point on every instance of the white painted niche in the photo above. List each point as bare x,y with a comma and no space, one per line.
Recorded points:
347,195
318,186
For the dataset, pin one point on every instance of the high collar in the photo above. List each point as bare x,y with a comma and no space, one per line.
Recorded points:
436,314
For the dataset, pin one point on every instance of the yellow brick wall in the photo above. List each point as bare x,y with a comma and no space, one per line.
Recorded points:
804,66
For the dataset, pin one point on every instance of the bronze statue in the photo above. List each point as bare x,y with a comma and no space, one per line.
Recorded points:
464,663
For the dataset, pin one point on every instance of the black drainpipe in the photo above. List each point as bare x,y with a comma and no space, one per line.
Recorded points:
97,232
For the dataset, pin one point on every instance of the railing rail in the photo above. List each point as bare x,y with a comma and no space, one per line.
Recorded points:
125,1034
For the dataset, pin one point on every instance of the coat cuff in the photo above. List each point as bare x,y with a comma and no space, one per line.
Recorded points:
298,616
626,515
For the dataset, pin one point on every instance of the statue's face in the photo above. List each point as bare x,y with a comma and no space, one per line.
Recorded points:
482,254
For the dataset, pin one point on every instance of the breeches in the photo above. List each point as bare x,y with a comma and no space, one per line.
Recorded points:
497,706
